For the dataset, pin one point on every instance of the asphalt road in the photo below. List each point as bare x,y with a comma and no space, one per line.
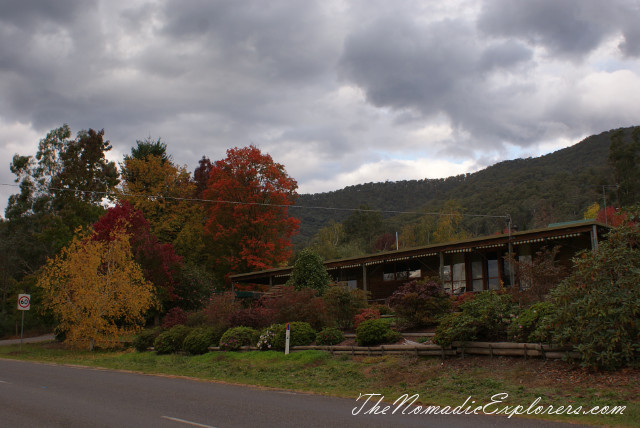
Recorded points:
45,395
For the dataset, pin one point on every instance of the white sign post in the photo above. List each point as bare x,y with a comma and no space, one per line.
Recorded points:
286,339
24,304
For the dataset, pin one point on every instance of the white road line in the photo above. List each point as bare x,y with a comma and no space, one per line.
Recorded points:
2,381
195,424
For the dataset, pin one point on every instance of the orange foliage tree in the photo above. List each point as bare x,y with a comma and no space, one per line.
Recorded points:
163,181
96,290
248,222
153,184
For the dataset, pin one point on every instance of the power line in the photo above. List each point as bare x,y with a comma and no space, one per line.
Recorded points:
176,198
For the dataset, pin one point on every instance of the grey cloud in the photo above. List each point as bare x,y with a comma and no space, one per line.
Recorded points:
402,65
281,40
631,44
505,55
568,27
33,13
441,68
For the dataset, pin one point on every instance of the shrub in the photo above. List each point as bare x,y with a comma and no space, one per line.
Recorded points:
462,298
375,332
235,337
309,272
295,305
343,304
523,326
255,317
597,308
455,326
537,277
175,316
329,336
199,340
486,317
301,334
420,303
219,308
171,341
267,338
383,308
145,338
196,319
364,315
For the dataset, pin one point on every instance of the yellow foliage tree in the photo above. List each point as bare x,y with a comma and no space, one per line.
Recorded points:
448,225
96,290
419,233
592,211
326,242
166,183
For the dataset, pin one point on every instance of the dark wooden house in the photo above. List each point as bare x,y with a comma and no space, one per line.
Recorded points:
470,265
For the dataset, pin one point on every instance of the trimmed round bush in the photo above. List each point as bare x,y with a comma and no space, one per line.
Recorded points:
199,340
145,338
375,332
329,336
236,337
301,334
171,341
365,314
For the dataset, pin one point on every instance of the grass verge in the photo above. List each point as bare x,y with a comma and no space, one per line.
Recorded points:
437,382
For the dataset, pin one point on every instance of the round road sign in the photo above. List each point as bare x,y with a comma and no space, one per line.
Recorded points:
24,302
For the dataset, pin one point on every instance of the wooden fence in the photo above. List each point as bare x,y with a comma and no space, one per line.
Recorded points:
525,350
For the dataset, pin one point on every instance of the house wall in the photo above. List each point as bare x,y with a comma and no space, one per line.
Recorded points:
463,267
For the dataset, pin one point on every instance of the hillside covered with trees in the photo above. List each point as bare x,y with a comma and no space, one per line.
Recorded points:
556,187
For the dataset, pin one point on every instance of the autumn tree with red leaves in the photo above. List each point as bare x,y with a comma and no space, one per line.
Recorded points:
159,262
248,221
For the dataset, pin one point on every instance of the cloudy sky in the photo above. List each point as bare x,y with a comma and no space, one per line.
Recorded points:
341,92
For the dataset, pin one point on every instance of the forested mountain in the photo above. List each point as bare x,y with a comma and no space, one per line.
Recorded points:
535,191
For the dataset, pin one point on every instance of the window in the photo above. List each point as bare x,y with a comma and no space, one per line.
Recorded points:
476,275
446,278
454,275
459,280
415,274
400,272
493,274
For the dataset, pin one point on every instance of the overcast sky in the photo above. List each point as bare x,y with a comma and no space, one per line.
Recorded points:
340,92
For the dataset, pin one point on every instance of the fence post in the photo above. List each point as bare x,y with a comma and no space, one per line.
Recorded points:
491,350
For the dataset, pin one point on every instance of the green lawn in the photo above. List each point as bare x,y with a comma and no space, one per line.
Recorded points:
439,382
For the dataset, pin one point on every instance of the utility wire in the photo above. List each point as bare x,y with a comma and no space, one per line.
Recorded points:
175,198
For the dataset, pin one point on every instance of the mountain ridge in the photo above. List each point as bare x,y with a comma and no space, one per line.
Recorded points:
535,191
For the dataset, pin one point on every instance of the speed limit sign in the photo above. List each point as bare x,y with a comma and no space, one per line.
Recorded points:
24,302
